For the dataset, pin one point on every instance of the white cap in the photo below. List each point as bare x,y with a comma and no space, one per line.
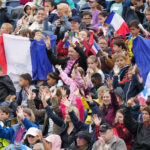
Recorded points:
31,131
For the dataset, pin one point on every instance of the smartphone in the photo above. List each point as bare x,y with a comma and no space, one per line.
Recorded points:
62,22
71,33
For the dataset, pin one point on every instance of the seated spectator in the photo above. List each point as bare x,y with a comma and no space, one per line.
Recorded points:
31,137
25,33
82,141
25,84
50,8
121,66
108,140
132,86
110,104
6,86
137,129
94,66
28,18
16,132
62,24
146,25
6,28
120,130
86,20
38,23
4,16
117,7
75,53
94,11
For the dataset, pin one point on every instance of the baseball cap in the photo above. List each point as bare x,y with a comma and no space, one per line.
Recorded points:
104,127
75,18
31,131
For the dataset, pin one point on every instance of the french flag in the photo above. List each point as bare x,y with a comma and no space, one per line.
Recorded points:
118,23
20,55
142,96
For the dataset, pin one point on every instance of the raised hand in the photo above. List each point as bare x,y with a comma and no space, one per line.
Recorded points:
97,121
58,67
31,95
20,113
116,70
48,43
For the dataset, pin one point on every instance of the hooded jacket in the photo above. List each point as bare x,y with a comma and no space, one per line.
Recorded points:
6,87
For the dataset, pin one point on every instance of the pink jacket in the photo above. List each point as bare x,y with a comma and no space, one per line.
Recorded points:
74,85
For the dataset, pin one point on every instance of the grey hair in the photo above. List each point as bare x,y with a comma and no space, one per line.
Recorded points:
40,145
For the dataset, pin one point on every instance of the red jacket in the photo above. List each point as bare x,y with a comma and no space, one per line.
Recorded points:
61,49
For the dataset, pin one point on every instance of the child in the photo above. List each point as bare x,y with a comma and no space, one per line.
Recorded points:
86,20
121,66
97,83
6,86
5,121
75,82
105,29
135,30
25,84
28,18
50,8
117,7
105,54
131,87
146,25
6,28
53,81
94,66
5,115
119,46
93,6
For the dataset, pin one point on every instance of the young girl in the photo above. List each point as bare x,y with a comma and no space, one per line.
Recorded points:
75,82
94,66
120,130
87,40
28,18
53,81
25,84
105,29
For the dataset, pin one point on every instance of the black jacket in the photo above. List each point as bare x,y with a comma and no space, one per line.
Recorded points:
6,87
5,17
140,131
82,60
131,88
146,26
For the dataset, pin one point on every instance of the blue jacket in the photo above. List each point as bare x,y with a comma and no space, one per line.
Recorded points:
10,133
52,27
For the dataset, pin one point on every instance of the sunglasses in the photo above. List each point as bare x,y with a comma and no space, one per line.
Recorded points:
31,136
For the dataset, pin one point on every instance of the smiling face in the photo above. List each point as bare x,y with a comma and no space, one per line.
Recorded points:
40,16
32,139
72,53
146,116
120,62
106,98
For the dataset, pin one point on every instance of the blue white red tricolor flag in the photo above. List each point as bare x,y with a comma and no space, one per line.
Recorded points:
118,23
20,55
142,96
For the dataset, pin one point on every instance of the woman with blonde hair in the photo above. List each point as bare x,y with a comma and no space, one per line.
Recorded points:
67,131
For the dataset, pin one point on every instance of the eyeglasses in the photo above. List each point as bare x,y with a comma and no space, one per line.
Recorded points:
87,18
